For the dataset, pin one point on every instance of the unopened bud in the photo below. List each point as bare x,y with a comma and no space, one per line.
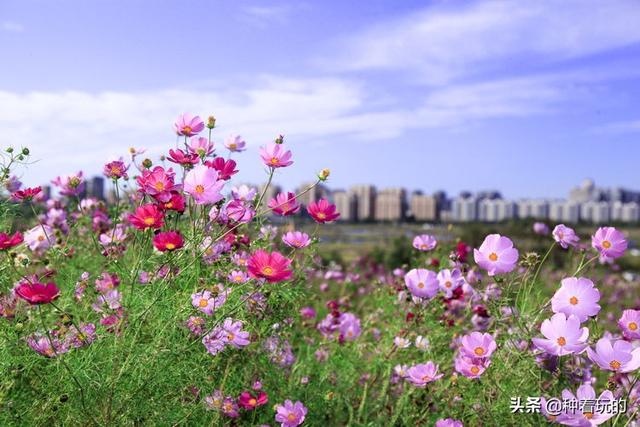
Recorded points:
279,139
324,174
211,122
9,150
147,163
25,151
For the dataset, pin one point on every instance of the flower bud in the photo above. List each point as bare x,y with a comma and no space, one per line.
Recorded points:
211,122
25,151
279,139
323,175
147,163
9,150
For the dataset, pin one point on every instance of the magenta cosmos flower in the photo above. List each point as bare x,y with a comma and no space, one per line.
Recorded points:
290,414
424,242
619,356
296,239
188,125
37,293
115,170
496,255
477,345
565,236
274,267
70,185
421,282
450,280
322,211
609,242
168,241
422,374
147,216
202,183
7,241
577,296
284,204
630,324
158,183
275,155
235,143
448,422
562,335
226,168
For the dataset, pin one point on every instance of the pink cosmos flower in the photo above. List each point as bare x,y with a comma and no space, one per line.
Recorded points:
107,282
70,185
422,374
175,203
116,170
8,242
630,324
226,168
448,422
202,183
168,241
424,242
422,283
248,401
274,267
290,414
565,236
540,228
578,296
322,211
243,192
233,333
296,239
275,155
284,204
588,416
235,143
147,216
478,345
188,125
186,160
240,211
609,242
238,276
40,238
158,183
37,293
496,255
563,335
200,146
471,367
619,356
450,280
207,302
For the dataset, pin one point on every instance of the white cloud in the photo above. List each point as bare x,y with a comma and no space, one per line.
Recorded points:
443,43
11,27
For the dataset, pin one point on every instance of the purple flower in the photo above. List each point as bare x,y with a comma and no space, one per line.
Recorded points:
609,242
207,301
296,239
290,414
630,324
450,280
422,283
618,356
448,422
563,335
470,367
424,242
233,333
586,417
577,296
565,236
478,345
540,228
422,374
496,255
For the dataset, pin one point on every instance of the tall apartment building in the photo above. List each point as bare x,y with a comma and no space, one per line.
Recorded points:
366,201
564,211
346,204
423,207
595,212
391,204
496,210
318,192
95,187
464,209
533,208
271,192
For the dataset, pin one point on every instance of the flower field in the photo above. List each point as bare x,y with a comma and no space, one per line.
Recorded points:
180,303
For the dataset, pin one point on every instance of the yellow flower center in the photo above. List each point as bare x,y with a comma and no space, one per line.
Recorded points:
447,284
292,417
274,161
421,285
252,402
615,365
149,220
588,415
230,336
115,169
159,185
199,188
186,130
40,238
573,300
170,246
426,378
606,244
493,256
267,271
479,351
633,326
239,278
203,302
423,246
474,370
233,145
321,215
562,341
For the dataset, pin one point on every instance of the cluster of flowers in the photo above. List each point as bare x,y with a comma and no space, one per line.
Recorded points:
343,324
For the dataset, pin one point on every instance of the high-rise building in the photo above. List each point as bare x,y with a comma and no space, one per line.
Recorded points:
564,211
314,194
533,208
496,210
595,212
346,204
95,188
423,207
272,191
464,209
391,204
366,201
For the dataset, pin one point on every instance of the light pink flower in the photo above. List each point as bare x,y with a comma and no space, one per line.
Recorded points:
202,183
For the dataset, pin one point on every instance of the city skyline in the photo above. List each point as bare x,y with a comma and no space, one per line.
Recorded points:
464,95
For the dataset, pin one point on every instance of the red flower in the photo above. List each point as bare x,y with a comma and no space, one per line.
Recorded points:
462,250
7,241
147,216
249,402
26,194
176,203
273,267
38,293
226,168
322,211
168,241
186,160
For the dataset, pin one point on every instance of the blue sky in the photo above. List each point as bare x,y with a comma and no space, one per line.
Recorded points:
525,97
